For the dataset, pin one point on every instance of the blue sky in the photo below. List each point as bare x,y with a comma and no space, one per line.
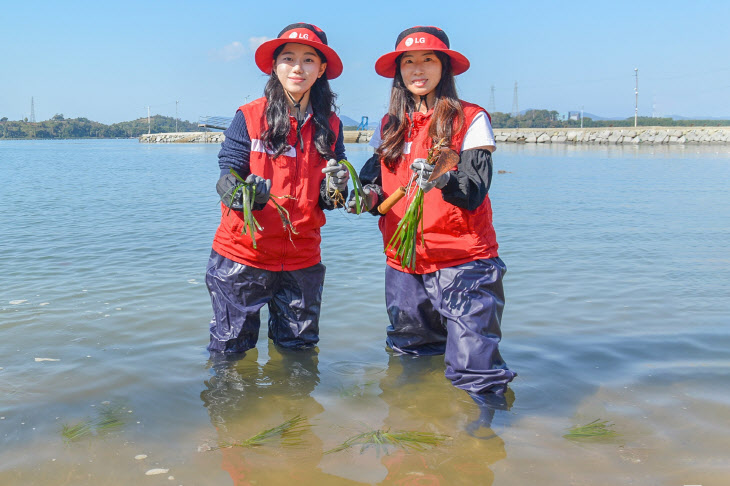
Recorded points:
108,61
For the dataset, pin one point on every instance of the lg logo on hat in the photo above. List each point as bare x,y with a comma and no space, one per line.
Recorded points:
294,35
410,41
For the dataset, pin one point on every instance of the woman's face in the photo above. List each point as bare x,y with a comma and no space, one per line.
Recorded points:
421,71
298,66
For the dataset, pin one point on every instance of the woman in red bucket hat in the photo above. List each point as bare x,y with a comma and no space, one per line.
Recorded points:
283,143
451,303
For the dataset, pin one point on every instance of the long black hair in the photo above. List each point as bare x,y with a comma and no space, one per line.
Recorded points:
322,100
448,114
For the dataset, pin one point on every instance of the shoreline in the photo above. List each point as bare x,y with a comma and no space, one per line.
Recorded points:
618,135
351,136
602,135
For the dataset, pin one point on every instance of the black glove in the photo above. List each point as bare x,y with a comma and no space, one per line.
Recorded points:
368,200
225,187
262,186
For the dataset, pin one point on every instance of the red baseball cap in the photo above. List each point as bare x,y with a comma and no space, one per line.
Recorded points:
300,33
420,39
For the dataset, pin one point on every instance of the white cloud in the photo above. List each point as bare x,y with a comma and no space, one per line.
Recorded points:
255,42
229,52
236,49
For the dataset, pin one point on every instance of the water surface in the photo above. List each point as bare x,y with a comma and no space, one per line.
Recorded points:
617,304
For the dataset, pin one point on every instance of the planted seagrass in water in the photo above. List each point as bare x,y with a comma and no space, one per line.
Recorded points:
290,433
108,419
381,439
598,429
250,224
404,240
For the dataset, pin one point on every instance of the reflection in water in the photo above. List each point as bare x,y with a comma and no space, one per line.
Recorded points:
418,398
488,404
244,398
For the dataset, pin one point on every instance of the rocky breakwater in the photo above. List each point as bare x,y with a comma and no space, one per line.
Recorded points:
351,136
640,135
183,137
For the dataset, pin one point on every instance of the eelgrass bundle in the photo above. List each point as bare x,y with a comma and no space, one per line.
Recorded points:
250,225
593,430
290,433
108,419
404,239
336,195
381,439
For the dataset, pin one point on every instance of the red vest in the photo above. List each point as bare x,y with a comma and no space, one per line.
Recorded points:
452,235
296,173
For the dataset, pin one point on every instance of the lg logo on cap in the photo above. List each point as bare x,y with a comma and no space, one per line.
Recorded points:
412,40
294,35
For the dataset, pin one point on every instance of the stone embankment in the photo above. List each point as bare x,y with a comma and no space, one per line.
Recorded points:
351,136
183,137
640,135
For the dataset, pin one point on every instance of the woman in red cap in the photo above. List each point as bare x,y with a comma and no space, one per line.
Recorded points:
451,302
283,144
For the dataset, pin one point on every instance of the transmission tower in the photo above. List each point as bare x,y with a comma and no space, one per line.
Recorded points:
492,108
32,110
515,107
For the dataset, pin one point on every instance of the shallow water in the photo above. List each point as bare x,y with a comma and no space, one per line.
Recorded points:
617,305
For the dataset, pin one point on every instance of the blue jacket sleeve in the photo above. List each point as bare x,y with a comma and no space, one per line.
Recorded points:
236,148
340,145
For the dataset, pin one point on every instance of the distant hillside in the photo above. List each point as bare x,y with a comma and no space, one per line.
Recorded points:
60,127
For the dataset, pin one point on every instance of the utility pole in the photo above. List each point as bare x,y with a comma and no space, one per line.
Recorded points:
32,110
176,102
149,123
636,102
581,117
492,107
515,107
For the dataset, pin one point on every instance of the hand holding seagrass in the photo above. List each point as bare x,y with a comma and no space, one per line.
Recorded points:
424,172
262,188
339,175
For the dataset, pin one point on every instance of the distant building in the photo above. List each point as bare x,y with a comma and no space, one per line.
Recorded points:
574,115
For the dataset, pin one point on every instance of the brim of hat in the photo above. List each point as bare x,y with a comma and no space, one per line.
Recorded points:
385,65
265,55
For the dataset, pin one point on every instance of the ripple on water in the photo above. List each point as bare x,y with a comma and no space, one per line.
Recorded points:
356,368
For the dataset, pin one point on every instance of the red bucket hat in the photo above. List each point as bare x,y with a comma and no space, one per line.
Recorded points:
420,39
300,33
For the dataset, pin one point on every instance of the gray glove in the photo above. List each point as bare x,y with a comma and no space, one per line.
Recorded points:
368,200
339,175
424,171
263,188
